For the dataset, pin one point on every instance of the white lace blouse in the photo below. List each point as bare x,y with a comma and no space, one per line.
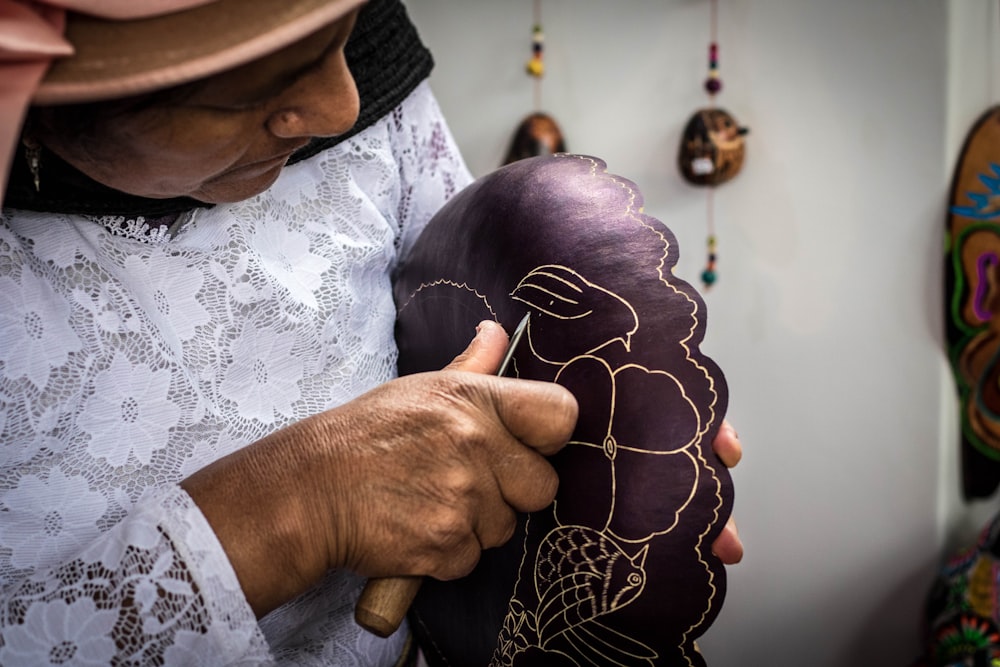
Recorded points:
129,360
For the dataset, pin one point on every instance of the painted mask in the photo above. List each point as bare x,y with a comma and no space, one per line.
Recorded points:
972,302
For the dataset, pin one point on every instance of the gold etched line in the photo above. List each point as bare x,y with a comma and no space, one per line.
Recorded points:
450,283
549,274
684,343
709,603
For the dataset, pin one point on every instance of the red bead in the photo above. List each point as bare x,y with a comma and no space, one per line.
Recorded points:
713,52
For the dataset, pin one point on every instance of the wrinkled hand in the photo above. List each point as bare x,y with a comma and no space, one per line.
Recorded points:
727,545
416,476
469,452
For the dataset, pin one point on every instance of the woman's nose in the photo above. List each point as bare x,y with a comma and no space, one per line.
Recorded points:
324,103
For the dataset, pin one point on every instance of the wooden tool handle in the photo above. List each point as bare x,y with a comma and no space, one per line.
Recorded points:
384,603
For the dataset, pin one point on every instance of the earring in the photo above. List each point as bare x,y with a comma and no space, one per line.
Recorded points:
33,152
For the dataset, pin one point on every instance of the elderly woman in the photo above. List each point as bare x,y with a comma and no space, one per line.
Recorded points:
204,449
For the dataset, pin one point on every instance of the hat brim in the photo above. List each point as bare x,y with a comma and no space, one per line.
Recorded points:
115,59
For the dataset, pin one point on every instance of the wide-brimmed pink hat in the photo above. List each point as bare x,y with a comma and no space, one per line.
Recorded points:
69,51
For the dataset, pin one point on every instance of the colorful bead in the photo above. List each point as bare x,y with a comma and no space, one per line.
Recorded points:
708,276
713,84
535,66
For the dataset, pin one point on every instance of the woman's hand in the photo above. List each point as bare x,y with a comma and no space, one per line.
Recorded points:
414,477
727,545
417,476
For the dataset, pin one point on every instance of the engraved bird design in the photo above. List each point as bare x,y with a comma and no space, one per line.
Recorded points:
560,294
581,575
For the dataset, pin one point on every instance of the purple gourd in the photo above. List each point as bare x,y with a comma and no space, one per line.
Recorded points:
619,570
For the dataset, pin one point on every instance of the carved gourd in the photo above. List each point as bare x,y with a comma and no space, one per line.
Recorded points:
619,570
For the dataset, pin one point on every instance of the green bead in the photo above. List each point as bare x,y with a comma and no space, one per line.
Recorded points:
708,276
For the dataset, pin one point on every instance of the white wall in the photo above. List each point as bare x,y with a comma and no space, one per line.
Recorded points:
827,315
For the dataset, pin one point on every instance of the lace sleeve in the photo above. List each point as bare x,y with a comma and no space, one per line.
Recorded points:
431,167
128,362
155,589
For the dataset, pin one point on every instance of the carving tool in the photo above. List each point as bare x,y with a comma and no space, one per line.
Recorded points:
384,601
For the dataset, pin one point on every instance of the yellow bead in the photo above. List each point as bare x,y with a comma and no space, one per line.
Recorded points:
535,67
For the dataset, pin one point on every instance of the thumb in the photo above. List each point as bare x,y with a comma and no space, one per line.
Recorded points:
484,353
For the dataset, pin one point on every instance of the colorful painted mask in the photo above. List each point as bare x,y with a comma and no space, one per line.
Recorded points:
972,302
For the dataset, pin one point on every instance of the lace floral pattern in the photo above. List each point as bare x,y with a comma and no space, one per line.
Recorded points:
127,362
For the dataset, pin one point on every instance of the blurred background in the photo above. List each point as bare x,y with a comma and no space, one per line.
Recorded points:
827,316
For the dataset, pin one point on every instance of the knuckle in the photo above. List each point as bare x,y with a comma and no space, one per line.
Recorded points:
450,528
466,434
457,484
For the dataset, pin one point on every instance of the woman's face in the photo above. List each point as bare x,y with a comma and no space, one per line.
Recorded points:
229,138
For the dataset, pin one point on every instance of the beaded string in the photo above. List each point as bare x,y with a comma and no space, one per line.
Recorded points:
713,84
535,66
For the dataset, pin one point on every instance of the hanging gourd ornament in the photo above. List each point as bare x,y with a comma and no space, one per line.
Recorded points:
538,133
712,147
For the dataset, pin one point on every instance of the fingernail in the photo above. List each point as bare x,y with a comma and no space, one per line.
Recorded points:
483,325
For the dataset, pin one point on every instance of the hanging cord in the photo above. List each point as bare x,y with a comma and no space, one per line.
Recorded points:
536,66
713,84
